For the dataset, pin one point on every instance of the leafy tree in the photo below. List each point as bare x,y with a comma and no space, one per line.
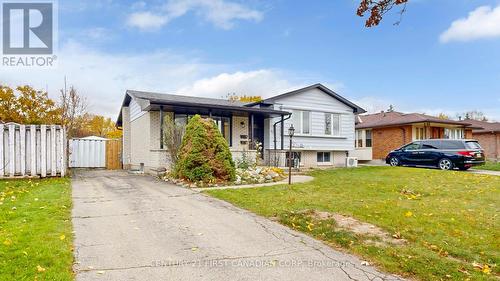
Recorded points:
473,115
172,138
204,154
377,9
95,125
72,106
28,106
243,98
9,105
443,116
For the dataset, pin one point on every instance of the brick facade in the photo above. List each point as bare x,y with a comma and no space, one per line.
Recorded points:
468,134
386,139
490,142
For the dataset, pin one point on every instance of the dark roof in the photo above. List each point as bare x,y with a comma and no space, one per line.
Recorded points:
394,118
153,101
160,98
483,126
356,109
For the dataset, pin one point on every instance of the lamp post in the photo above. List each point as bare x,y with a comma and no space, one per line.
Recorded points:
291,131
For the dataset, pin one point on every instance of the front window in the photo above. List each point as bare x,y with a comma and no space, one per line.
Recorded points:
454,134
419,133
368,134
223,123
323,157
301,121
328,124
332,124
359,138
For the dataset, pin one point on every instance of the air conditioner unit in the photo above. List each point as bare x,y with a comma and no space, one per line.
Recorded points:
351,162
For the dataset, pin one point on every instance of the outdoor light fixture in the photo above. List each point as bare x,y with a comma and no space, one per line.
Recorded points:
291,131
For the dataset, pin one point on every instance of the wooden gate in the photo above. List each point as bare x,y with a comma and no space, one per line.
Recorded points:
113,154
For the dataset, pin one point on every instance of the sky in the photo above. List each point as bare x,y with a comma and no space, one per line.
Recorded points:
444,56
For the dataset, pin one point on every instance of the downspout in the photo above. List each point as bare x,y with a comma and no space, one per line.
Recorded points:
161,127
282,121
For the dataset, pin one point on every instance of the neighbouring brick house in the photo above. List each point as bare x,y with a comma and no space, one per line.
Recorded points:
488,135
378,134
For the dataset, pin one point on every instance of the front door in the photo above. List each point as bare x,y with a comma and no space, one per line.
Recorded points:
258,132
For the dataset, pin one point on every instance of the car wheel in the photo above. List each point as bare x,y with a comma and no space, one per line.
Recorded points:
394,161
445,164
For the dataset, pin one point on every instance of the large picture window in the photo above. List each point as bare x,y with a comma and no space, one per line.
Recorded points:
223,123
455,134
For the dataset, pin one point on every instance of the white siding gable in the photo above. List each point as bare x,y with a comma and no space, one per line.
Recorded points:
317,103
135,110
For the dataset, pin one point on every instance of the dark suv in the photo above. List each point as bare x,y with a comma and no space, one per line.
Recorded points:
442,153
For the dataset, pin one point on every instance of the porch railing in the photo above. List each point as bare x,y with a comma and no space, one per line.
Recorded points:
280,158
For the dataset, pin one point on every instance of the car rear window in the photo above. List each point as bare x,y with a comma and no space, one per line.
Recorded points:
452,144
472,145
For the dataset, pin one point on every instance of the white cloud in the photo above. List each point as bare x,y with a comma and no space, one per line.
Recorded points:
262,82
147,21
221,13
373,104
104,77
483,22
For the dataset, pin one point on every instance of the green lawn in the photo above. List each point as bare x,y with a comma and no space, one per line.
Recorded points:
35,230
450,219
490,165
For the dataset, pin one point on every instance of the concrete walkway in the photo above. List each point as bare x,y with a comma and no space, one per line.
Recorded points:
484,172
130,227
295,179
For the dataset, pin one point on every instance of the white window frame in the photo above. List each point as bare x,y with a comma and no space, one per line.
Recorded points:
359,135
299,128
454,133
332,132
323,156
419,136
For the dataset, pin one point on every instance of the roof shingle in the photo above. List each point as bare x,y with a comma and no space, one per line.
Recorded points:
394,118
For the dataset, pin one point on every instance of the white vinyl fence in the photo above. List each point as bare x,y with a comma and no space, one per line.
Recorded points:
32,150
87,153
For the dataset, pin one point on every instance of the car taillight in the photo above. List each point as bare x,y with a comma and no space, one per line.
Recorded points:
466,153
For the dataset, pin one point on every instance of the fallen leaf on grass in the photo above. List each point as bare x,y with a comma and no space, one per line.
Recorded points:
40,269
62,237
408,214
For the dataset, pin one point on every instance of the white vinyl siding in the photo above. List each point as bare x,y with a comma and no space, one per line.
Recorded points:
135,110
318,104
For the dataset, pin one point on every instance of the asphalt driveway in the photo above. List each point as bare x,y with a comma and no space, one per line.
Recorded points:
130,227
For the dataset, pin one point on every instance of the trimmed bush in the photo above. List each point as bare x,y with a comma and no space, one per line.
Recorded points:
204,154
